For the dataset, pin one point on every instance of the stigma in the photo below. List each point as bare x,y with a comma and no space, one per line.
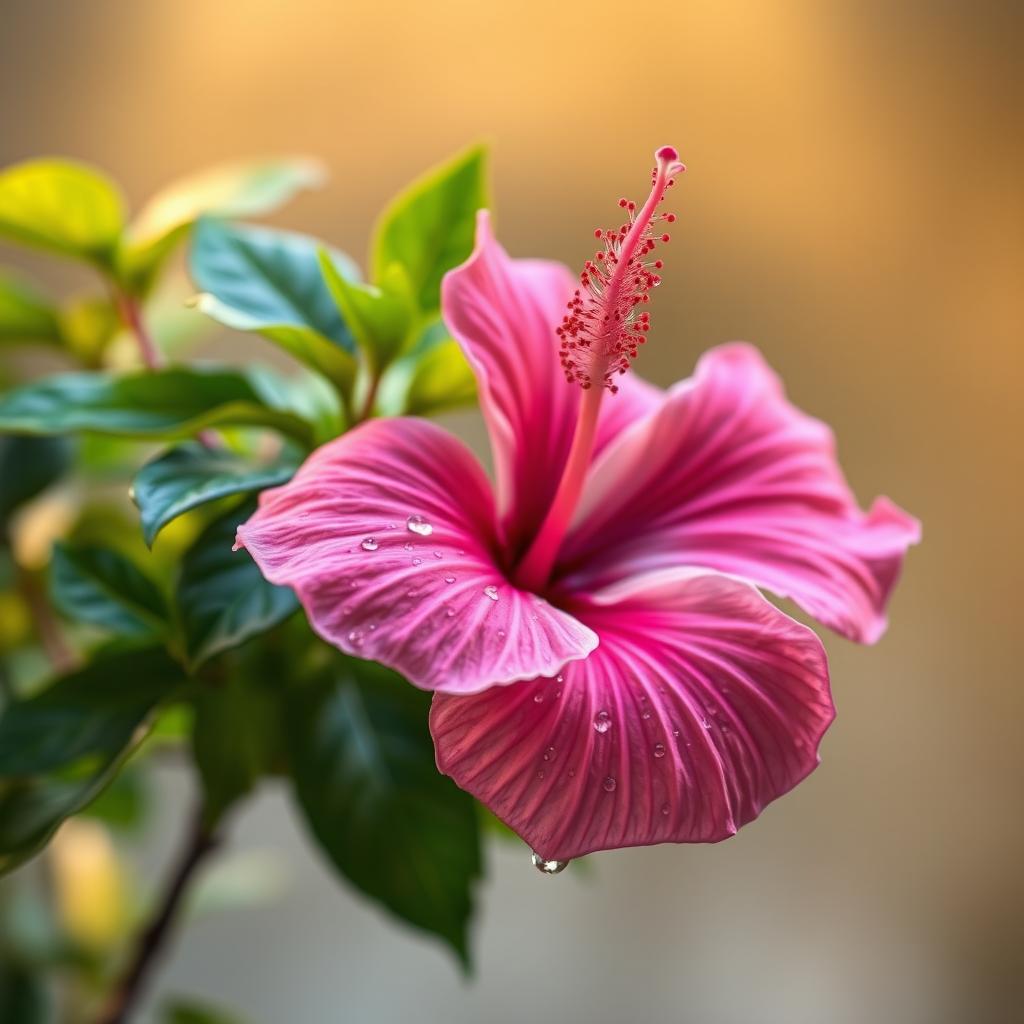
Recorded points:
606,322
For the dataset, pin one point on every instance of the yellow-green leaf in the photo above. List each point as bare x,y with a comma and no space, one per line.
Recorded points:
25,315
61,206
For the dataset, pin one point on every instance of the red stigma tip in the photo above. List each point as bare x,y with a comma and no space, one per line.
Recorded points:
667,153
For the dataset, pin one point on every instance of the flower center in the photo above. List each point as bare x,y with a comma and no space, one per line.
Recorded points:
605,324
599,335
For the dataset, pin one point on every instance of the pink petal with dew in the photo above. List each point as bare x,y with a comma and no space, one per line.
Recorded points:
503,312
728,475
701,705
387,537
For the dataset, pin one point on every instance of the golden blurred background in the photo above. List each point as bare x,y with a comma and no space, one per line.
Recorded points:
854,206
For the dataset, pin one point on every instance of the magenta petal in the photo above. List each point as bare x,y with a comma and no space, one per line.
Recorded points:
702,704
728,475
503,312
386,536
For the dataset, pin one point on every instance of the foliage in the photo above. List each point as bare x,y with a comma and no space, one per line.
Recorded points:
157,634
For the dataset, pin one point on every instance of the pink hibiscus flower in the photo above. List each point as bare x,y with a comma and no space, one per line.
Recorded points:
606,672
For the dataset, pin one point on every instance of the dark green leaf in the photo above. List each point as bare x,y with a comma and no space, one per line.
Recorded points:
62,206
244,189
25,315
222,596
23,998
364,774
269,281
122,804
101,587
429,227
192,475
28,465
59,749
175,402
236,738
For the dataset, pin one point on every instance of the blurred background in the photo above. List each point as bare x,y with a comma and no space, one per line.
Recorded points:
853,205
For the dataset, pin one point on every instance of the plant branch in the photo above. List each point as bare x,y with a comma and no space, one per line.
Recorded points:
152,943
131,314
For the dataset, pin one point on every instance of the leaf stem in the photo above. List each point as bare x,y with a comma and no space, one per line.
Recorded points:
131,314
152,943
371,397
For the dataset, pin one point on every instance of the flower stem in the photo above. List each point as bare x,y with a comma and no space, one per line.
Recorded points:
152,943
131,314
371,397
535,566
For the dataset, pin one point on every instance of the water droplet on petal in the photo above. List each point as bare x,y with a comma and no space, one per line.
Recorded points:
437,554
538,698
501,634
675,732
572,773
602,722
449,611
559,679
665,809
419,526
491,592
659,749
549,754
417,561
449,579
407,545
608,785
369,544
549,867
646,715
355,638
540,774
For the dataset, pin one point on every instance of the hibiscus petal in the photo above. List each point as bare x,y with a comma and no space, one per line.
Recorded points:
503,312
728,475
386,536
702,704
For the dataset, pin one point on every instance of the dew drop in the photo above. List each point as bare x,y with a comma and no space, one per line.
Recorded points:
646,715
602,722
659,749
355,638
417,561
559,679
407,545
437,554
665,809
450,612
608,785
538,698
549,754
572,773
491,592
540,774
369,544
419,525
501,634
449,579
675,732
549,867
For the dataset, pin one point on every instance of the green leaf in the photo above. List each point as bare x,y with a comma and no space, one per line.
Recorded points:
26,316
188,1011
62,206
243,189
222,596
429,227
175,402
363,767
103,588
122,805
268,281
379,318
23,996
192,475
28,465
441,379
87,326
236,738
59,749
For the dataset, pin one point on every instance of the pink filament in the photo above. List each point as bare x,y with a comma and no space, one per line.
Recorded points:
599,337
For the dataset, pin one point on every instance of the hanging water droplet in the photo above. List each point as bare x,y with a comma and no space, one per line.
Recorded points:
608,785
417,561
602,722
491,592
369,544
549,867
355,638
449,579
419,525
659,749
